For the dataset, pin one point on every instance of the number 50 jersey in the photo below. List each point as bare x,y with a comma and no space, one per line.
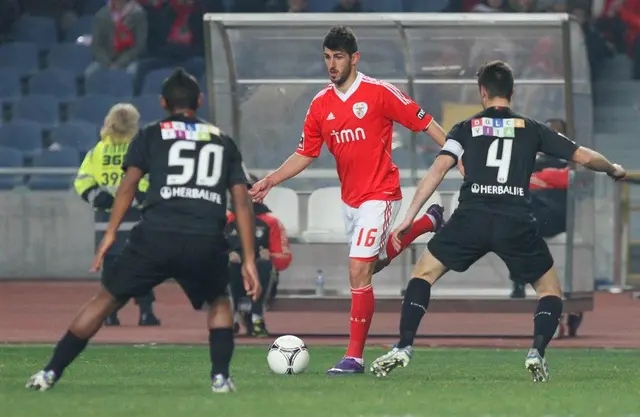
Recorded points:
498,148
191,165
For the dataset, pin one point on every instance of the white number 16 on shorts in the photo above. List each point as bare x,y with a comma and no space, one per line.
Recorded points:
368,228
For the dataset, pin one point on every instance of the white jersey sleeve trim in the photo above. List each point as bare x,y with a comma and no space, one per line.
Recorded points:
390,87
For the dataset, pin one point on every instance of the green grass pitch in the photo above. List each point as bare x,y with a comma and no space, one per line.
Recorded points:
172,381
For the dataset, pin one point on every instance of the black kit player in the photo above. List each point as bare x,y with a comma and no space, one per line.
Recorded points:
498,148
191,164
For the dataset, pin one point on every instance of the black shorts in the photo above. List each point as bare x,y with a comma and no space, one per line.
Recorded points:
471,234
197,262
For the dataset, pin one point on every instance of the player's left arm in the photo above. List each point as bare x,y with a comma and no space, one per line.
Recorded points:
402,109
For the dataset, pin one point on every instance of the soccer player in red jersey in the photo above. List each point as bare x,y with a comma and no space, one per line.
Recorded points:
354,117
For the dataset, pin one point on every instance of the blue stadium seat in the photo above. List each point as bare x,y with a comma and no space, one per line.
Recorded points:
81,27
25,137
9,85
71,57
75,134
116,83
22,56
149,107
39,108
321,6
41,31
10,158
388,6
154,79
431,6
54,82
92,108
54,159
91,7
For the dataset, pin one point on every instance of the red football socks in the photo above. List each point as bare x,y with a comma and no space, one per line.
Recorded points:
362,307
419,227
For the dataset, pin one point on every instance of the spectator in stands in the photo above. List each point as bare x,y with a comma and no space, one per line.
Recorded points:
119,36
597,48
97,182
9,12
630,15
348,6
610,23
272,256
176,37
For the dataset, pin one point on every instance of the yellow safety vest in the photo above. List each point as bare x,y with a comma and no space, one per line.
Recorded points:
101,170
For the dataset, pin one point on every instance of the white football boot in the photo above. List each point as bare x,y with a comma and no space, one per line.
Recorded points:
537,366
42,381
222,385
391,360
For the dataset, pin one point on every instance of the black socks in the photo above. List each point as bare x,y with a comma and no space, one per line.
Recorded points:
545,321
65,352
415,304
221,346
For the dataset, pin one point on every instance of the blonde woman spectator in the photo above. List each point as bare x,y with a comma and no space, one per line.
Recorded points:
97,182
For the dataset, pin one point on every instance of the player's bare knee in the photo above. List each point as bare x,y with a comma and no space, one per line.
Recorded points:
360,272
428,268
548,285
220,313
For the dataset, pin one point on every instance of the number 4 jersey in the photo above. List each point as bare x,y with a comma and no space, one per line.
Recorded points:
191,165
498,149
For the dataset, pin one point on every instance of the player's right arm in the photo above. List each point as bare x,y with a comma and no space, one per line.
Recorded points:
560,146
308,149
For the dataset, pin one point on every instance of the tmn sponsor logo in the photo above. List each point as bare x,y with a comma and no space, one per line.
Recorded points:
349,135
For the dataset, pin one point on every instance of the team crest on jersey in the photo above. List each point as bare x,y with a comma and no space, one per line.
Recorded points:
360,109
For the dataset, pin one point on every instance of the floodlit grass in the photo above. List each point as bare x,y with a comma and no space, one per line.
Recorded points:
173,381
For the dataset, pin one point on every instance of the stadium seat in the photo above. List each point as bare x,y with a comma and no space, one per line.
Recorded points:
40,30
54,82
10,158
407,196
22,56
9,85
54,159
81,27
26,137
384,6
325,217
91,7
321,6
153,80
92,108
71,57
42,109
431,6
110,82
77,134
149,107
284,204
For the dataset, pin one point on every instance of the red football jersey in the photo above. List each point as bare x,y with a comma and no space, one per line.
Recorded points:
357,127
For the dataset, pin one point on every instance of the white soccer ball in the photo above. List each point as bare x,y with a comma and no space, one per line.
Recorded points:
288,355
